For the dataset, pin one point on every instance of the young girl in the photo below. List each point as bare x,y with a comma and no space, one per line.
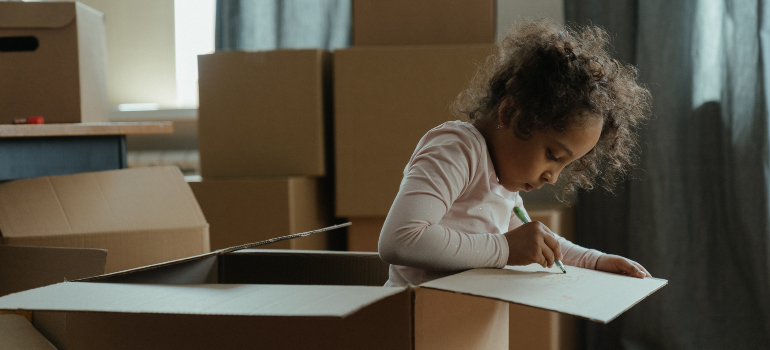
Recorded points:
551,99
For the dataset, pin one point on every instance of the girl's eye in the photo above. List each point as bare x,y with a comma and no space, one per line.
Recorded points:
551,156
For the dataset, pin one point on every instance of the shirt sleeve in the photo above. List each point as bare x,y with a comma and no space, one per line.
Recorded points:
438,173
574,254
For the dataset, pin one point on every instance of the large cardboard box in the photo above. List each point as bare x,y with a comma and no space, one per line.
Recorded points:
409,22
141,216
17,333
23,268
52,62
315,300
386,99
530,328
264,113
248,210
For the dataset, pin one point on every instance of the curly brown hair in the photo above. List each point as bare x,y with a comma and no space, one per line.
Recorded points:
558,76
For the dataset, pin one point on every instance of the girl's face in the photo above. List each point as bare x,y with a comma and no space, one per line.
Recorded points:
524,165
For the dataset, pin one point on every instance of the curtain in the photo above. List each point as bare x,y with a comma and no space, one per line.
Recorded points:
695,211
274,24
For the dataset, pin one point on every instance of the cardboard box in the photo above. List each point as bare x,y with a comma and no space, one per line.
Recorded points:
386,99
141,216
332,299
530,328
17,333
364,234
264,113
53,62
23,268
248,210
408,22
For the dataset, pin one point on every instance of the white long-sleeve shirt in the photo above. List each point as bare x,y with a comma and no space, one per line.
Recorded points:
450,212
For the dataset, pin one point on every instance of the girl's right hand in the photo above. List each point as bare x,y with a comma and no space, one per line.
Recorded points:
532,243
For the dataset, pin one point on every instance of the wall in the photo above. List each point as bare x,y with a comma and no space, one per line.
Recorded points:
140,50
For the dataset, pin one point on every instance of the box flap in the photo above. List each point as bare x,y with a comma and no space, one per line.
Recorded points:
17,333
36,15
202,299
595,295
137,199
214,253
23,268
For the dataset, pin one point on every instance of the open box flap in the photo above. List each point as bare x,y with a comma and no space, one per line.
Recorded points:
36,15
125,200
214,253
23,268
201,299
595,295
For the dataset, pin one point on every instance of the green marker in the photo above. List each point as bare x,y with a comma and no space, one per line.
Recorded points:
522,215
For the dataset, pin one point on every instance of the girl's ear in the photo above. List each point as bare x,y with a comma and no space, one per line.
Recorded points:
506,111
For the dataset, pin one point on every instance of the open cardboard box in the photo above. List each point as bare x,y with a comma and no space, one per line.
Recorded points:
315,299
142,216
23,268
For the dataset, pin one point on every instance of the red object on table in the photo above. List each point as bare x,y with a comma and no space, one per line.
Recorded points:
35,120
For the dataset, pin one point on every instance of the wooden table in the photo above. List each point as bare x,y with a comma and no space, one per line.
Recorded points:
31,150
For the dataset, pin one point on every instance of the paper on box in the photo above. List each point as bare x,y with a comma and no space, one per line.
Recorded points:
61,75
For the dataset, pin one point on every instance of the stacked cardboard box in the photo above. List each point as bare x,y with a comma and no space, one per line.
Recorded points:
409,62
53,62
262,124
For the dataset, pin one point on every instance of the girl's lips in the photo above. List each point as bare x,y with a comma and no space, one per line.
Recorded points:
528,188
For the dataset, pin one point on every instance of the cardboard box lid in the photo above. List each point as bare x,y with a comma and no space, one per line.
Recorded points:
201,299
37,15
138,199
595,295
23,268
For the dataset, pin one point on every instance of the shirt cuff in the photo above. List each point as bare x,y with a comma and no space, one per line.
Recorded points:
502,244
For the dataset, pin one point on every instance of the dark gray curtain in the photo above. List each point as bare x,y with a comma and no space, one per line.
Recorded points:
696,210
273,24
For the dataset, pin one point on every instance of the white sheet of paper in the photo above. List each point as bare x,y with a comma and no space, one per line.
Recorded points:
595,295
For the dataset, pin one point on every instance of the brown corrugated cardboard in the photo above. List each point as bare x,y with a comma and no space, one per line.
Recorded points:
173,303
530,328
364,234
17,333
537,329
23,268
408,22
386,99
252,209
141,216
53,62
263,113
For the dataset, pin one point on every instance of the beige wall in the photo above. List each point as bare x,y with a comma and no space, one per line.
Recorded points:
509,11
140,50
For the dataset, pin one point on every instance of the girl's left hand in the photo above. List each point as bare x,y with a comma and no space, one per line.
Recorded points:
618,264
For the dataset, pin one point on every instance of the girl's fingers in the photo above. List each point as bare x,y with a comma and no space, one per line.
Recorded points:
547,254
641,268
630,267
552,246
